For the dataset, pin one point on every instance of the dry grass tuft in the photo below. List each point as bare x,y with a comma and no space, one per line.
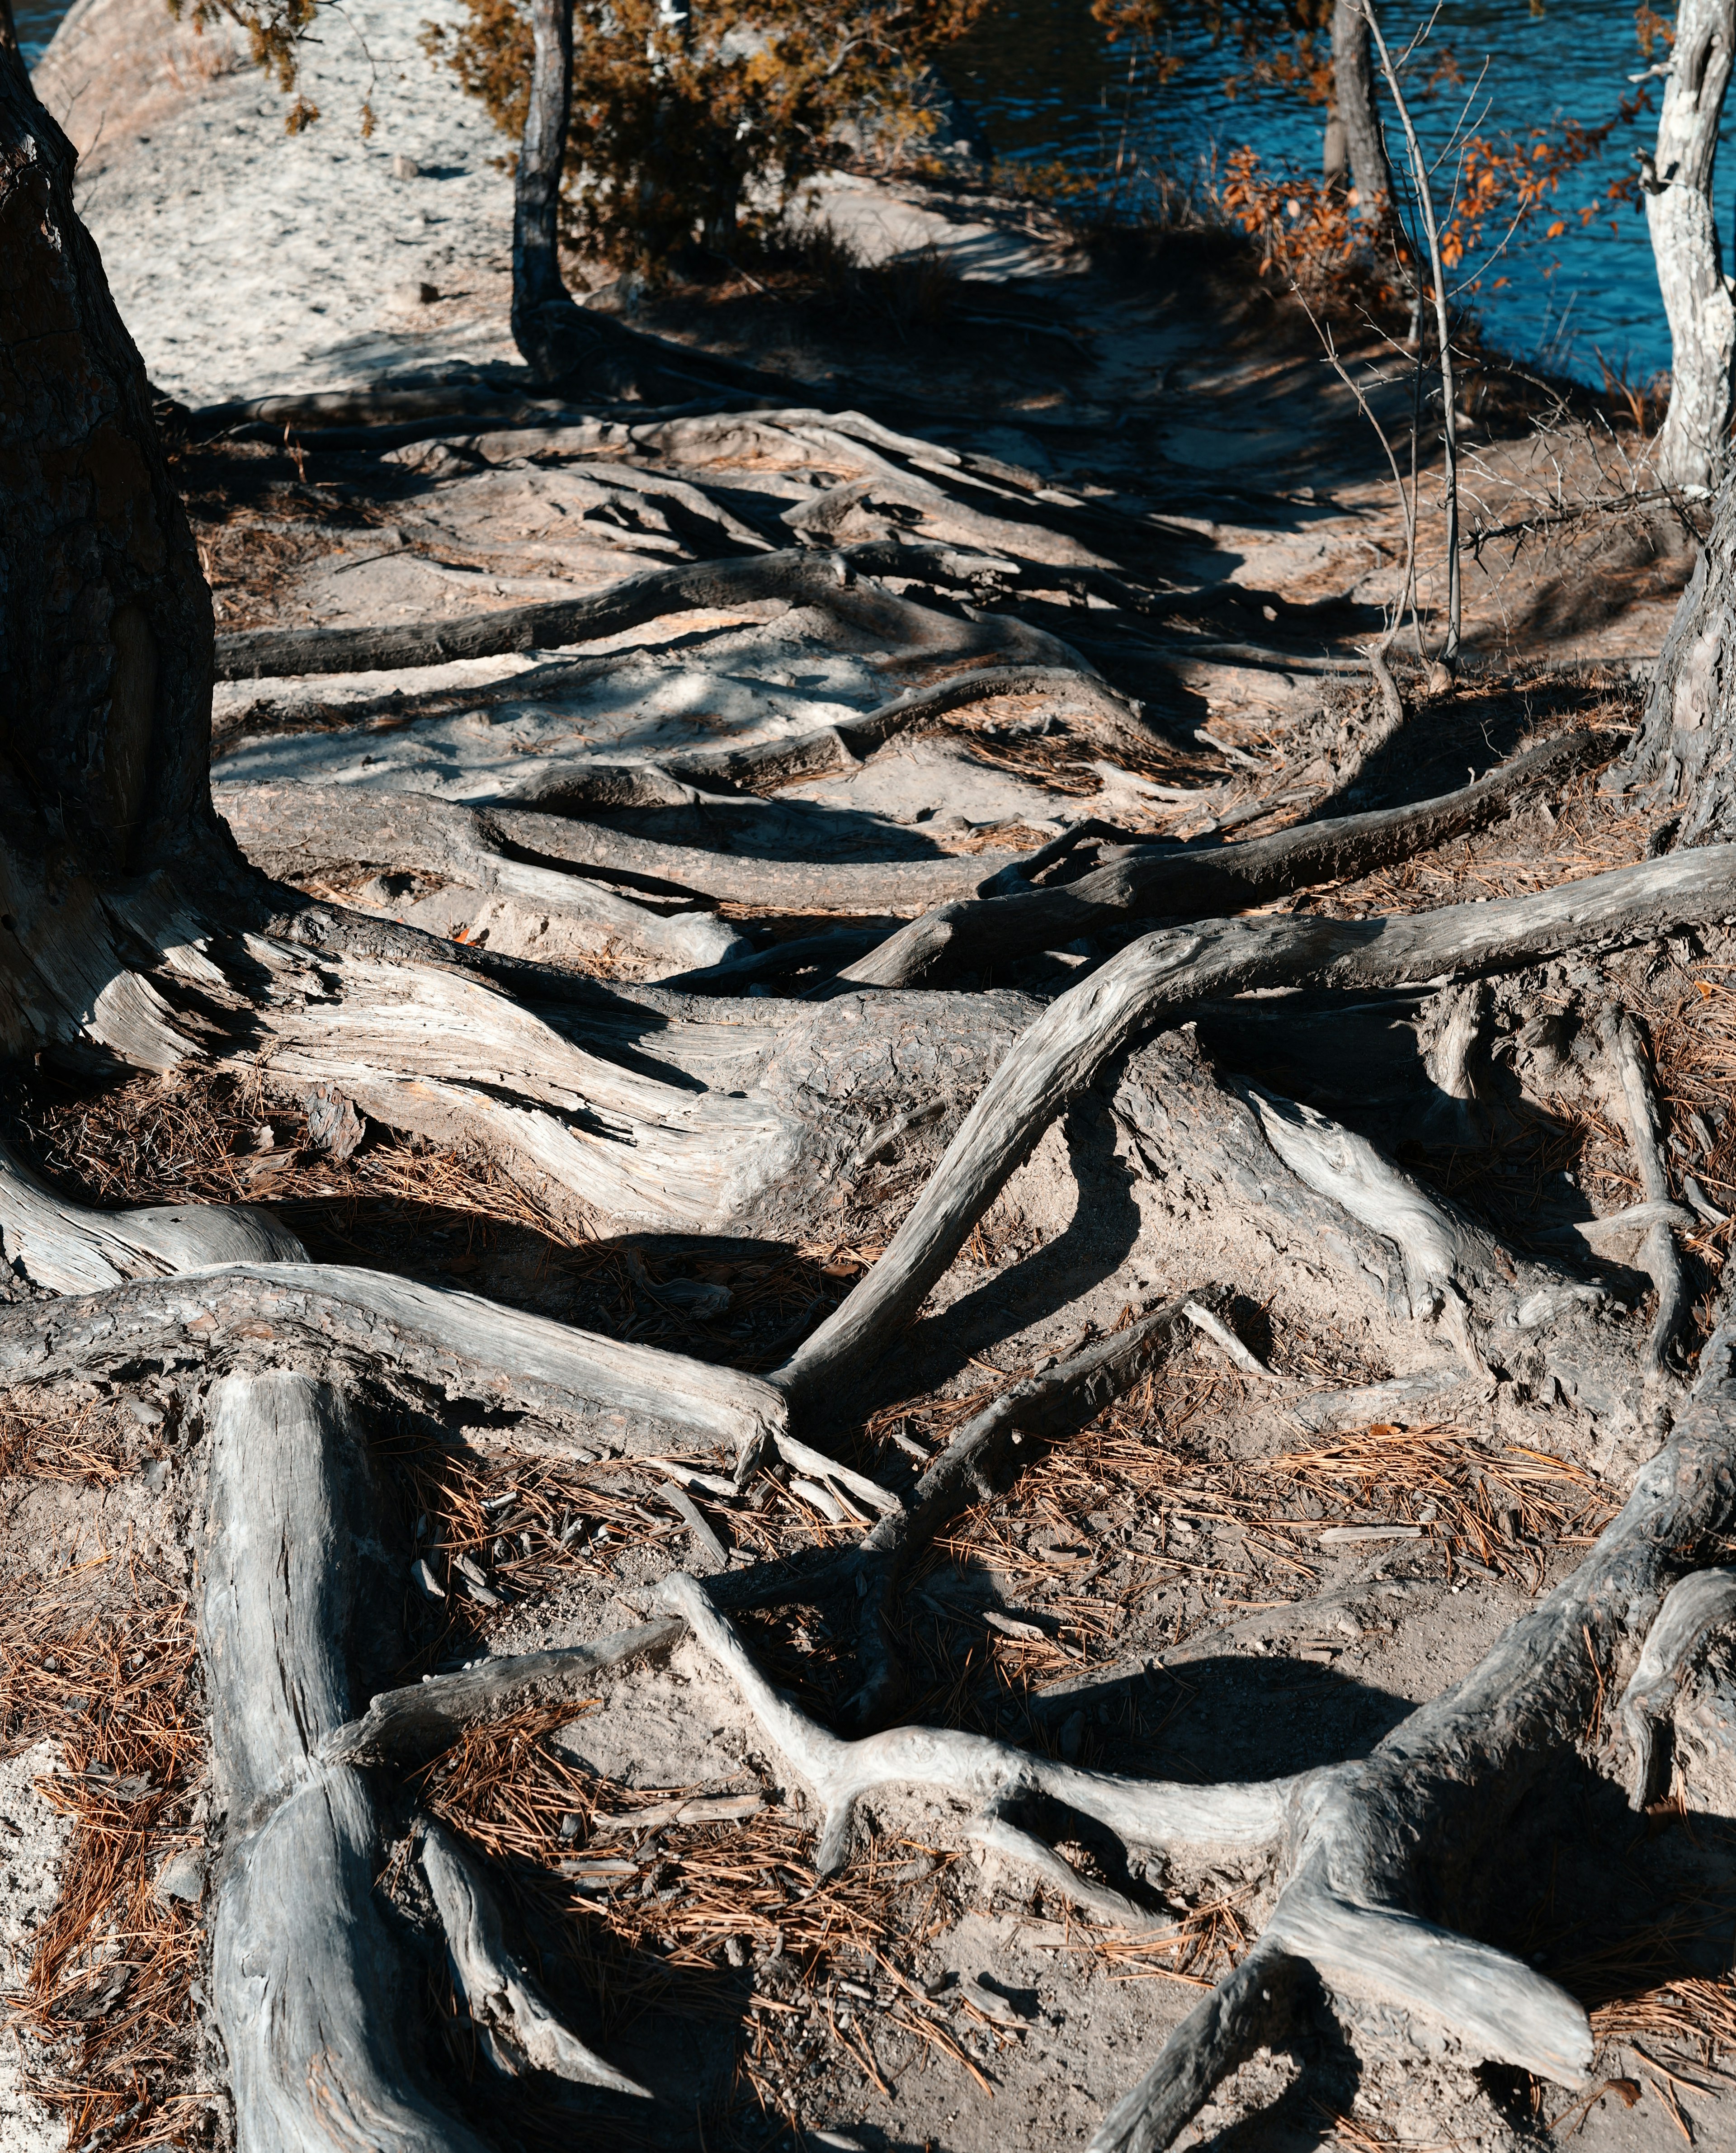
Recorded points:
679,1913
92,1444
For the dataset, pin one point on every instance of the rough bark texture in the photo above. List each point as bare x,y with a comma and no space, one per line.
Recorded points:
105,622
1691,274
309,1982
1683,747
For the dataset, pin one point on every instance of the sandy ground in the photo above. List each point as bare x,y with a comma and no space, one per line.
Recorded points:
249,263
33,1838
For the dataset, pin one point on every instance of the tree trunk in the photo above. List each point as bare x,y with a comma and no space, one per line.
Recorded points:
105,622
1697,293
567,346
1358,115
1683,747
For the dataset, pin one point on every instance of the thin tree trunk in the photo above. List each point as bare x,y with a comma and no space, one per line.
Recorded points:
563,344
1358,115
1697,293
1446,665
538,290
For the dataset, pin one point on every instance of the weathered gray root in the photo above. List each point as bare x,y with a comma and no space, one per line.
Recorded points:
1151,881
833,582
308,1983
1451,1119
1250,2008
1155,982
1145,1812
506,2006
738,1120
616,1395
307,832
1659,1252
1424,1815
1692,1611
426,1716
761,766
1357,1844
69,1248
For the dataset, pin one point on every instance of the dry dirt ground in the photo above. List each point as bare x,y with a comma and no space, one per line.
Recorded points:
1226,1576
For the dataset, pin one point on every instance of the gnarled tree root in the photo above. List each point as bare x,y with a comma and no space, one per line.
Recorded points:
1157,981
1659,1252
310,1981
352,1321
304,832
1356,1845
1154,882
839,583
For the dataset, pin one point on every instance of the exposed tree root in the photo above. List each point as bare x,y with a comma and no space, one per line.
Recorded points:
840,583
666,782
507,2006
1155,983
1152,882
312,832
620,1396
69,1248
1357,1846
1658,1253
427,1716
1694,1610
310,1982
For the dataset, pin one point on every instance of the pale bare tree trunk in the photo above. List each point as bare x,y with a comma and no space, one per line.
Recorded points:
1357,117
1683,745
1697,293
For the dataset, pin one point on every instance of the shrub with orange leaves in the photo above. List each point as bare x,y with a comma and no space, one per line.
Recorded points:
1507,184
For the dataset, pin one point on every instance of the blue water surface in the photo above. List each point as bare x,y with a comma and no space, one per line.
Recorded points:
1047,85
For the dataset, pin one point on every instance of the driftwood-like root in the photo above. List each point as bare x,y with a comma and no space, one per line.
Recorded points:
1167,882
353,1320
1426,1810
1659,1252
69,1248
304,832
1693,1611
1141,1812
671,780
1248,2009
1158,981
309,1984
426,1716
506,2006
839,583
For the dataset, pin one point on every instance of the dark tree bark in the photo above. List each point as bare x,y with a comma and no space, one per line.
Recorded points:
1684,240
1358,115
105,622
565,345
